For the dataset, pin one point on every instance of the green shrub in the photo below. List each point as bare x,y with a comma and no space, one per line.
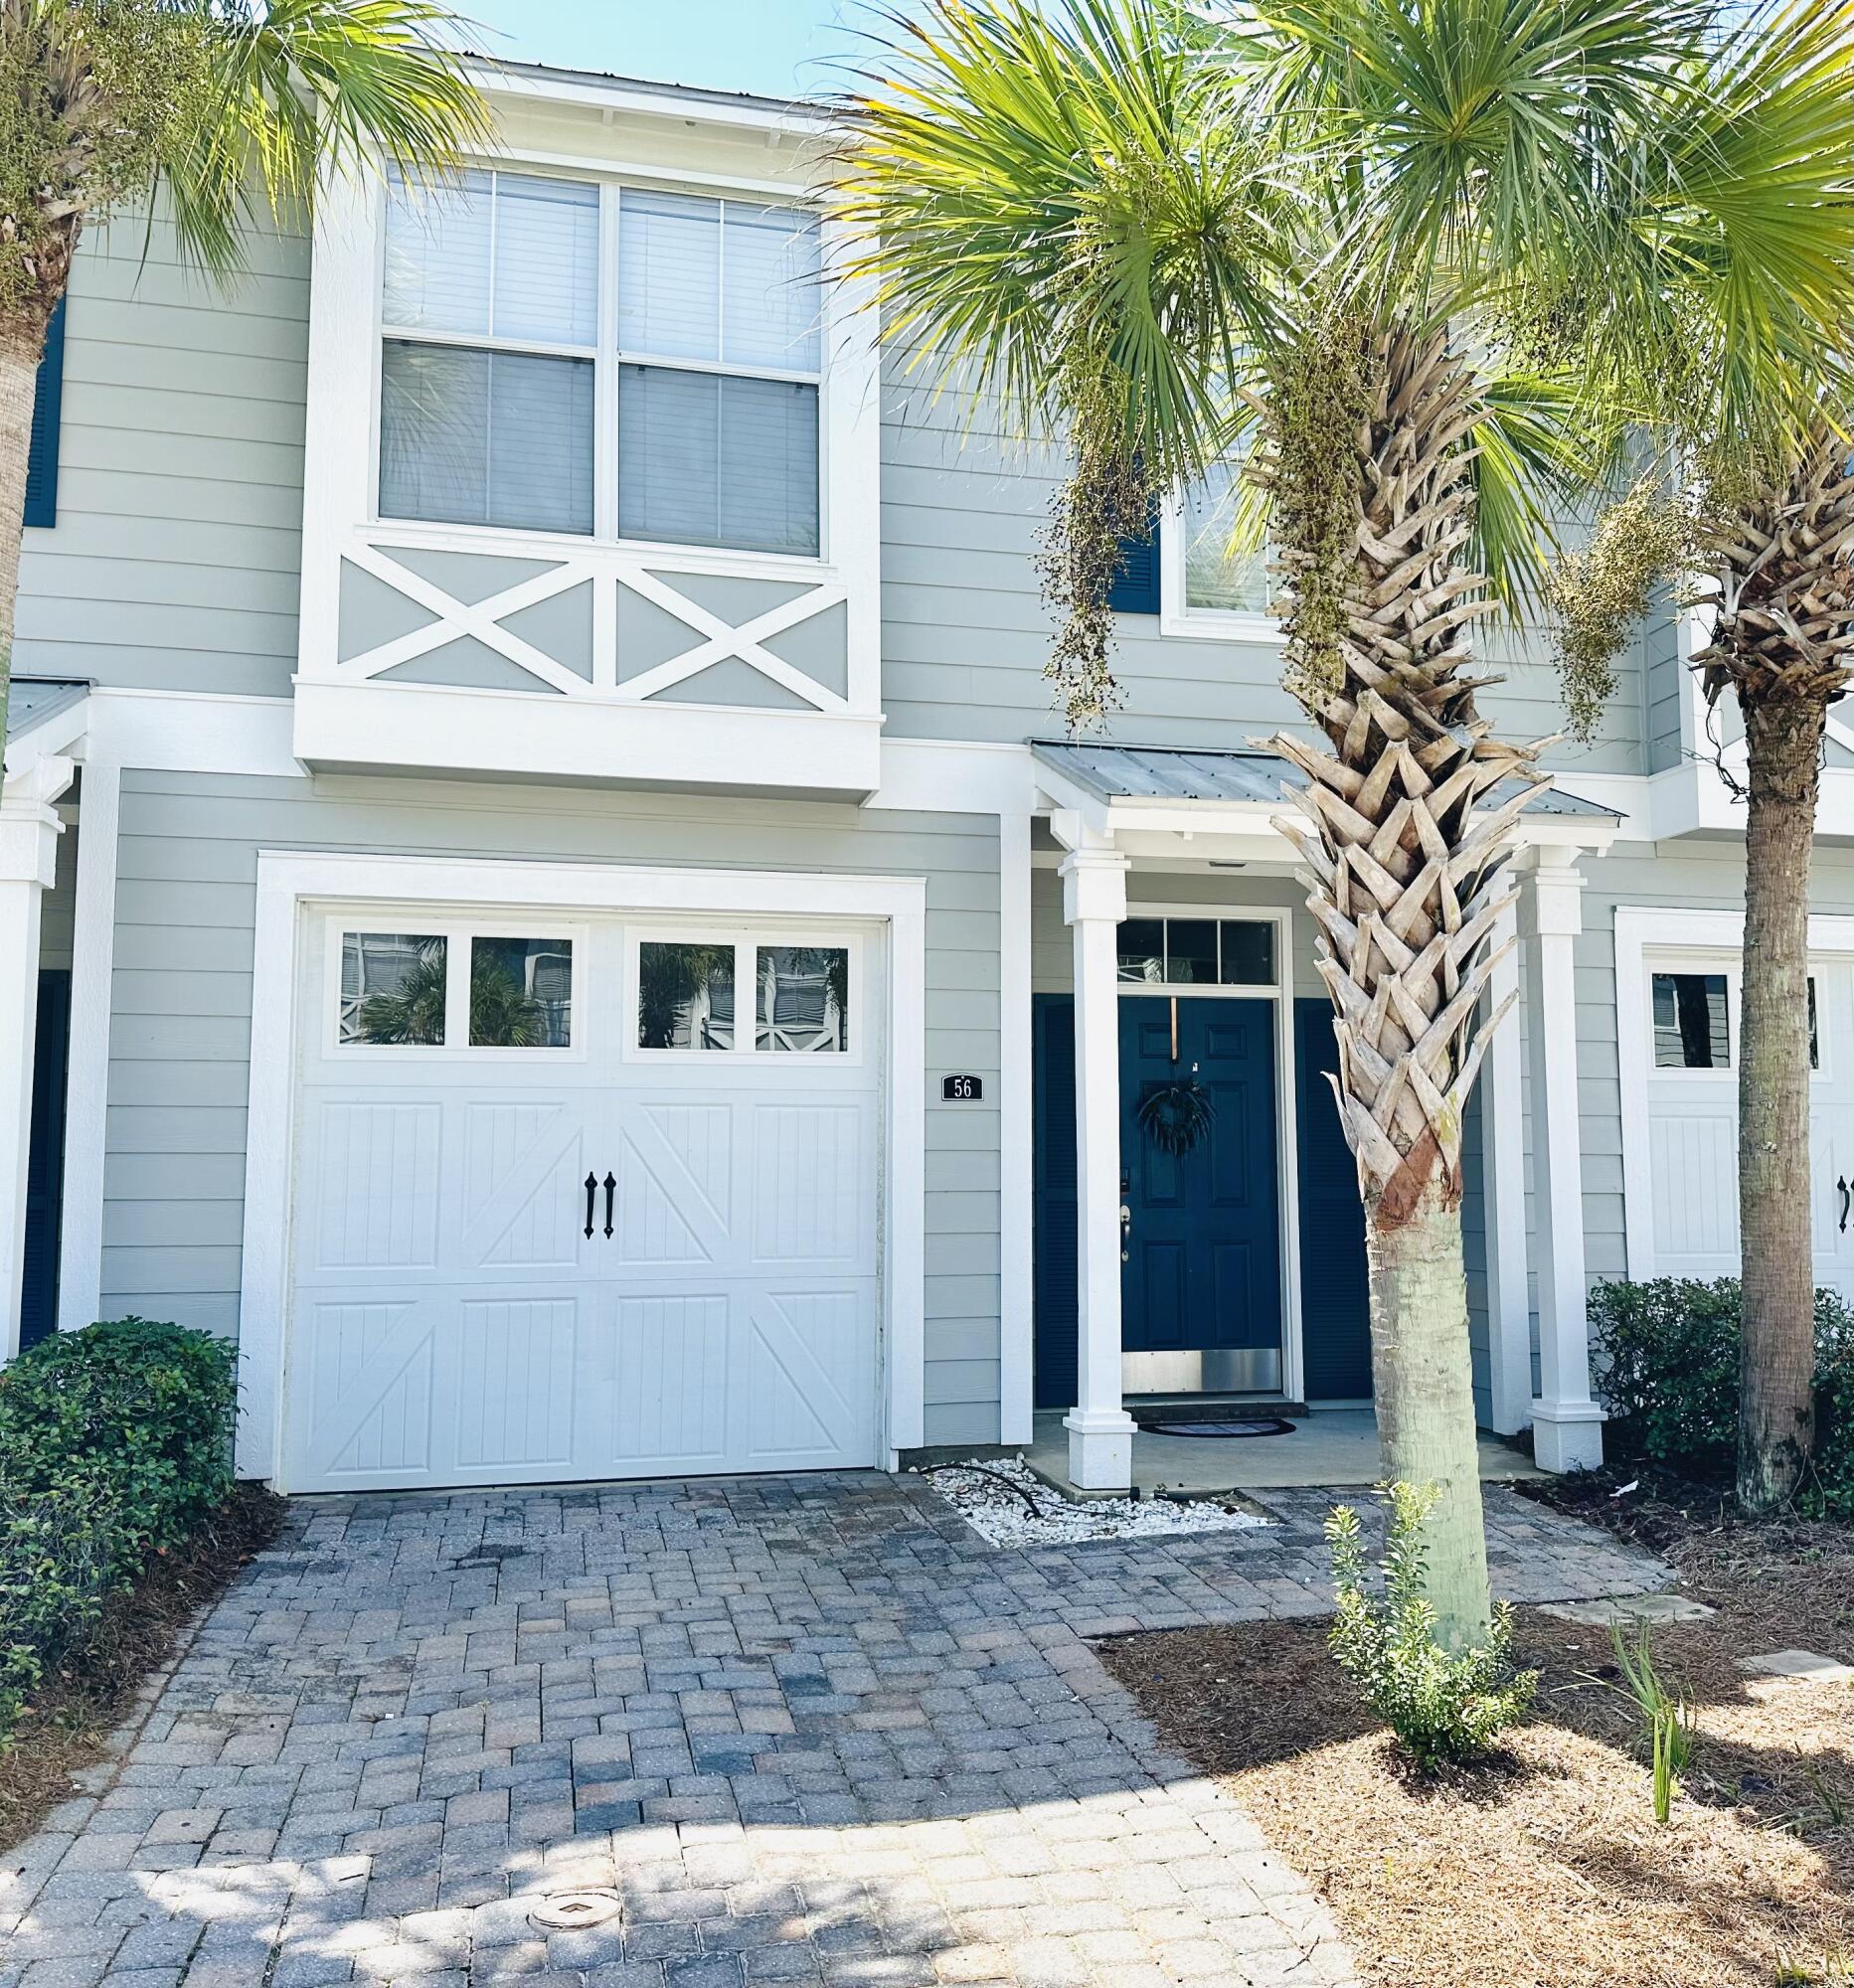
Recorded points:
1669,1355
1443,1706
115,1441
148,1408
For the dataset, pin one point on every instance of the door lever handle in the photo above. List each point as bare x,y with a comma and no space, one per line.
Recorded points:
611,1188
592,1188
1847,1201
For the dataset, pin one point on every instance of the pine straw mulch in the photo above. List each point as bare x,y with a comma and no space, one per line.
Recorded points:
1545,1869
69,1720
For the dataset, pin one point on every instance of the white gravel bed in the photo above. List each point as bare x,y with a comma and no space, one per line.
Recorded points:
1005,1519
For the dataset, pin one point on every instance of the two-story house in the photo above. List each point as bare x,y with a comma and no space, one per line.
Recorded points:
538,890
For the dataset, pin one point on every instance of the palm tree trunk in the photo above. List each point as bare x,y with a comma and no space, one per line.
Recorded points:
1422,1377
1776,1428
1406,856
22,344
1781,560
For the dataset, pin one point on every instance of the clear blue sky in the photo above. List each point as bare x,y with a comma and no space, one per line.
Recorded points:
780,48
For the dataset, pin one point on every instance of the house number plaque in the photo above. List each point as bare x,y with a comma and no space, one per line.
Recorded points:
961,1089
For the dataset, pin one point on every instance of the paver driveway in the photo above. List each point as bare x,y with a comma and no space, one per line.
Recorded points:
809,1730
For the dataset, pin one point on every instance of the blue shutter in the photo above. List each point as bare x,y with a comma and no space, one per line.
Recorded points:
44,1164
1335,1295
1135,588
1057,1239
42,454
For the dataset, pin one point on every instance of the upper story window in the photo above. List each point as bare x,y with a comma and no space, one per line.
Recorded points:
1215,579
493,408
1188,572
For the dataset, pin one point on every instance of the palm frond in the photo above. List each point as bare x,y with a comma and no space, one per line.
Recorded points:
1724,298
313,86
1536,460
1025,188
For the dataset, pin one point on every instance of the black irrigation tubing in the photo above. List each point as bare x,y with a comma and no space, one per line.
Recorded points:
996,1476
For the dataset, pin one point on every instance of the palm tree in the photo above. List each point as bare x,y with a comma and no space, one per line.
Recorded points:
232,107
1745,407
1314,233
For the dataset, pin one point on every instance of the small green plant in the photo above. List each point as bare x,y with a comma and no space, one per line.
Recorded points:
1832,1969
1667,1721
1442,1705
1834,1801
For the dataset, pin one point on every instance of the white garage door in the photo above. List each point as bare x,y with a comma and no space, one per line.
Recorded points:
1693,1046
581,1200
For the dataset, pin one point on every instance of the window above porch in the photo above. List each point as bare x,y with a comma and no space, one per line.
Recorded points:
591,462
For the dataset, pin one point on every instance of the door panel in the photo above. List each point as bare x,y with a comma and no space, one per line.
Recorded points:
1202,1244
453,1323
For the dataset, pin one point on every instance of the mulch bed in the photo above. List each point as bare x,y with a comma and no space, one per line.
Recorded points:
65,1728
1544,1868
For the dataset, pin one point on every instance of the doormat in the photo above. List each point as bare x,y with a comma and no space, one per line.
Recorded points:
1271,1425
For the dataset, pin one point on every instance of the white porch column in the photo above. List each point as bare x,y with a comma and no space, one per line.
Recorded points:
1566,1425
1100,1432
1503,1205
29,832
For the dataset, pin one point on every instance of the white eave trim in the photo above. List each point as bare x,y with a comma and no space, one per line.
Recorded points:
617,93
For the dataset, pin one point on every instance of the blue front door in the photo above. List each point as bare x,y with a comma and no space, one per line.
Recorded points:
1201,1233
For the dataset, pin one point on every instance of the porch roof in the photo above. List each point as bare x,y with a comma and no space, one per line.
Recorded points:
31,700
1185,773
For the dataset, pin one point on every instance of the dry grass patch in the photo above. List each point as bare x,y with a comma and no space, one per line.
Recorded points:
1544,1868
71,1717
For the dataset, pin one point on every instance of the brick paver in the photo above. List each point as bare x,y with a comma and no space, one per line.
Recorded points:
808,1730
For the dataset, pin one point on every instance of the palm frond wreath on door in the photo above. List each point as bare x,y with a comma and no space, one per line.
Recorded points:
1177,1115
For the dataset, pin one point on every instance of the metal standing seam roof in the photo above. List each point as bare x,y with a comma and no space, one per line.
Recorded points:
31,700
1197,773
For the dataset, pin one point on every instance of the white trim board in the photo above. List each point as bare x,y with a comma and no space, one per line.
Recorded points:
1644,928
286,880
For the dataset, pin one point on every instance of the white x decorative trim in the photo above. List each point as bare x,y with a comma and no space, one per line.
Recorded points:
712,639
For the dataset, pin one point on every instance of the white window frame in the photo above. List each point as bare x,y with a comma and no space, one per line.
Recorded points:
746,942
1700,959
1200,624
456,934
1265,990
606,356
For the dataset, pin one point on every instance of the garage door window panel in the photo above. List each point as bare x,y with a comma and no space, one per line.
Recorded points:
1692,1022
394,989
685,995
804,999
521,993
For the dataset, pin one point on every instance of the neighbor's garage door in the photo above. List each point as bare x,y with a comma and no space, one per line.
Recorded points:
576,1200
1693,1054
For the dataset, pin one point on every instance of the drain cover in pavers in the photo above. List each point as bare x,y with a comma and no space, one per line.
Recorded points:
573,1912
1625,1608
1798,1664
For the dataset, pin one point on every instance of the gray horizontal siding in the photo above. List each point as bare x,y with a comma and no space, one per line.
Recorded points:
1665,687
965,633
180,1032
175,561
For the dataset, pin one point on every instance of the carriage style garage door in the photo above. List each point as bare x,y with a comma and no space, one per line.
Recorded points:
581,1200
1692,1083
